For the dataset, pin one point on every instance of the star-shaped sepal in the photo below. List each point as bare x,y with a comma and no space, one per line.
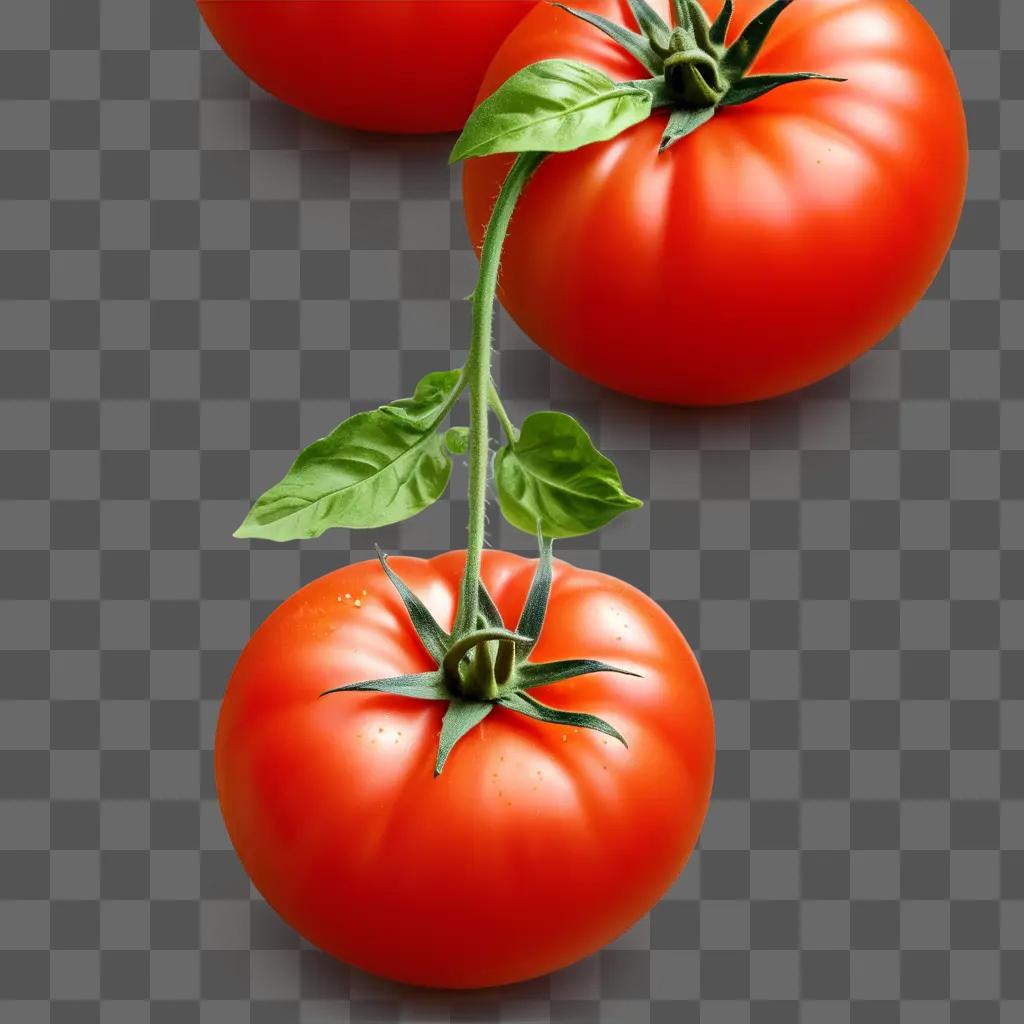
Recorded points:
487,666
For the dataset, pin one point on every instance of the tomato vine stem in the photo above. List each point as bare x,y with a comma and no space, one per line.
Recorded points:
480,385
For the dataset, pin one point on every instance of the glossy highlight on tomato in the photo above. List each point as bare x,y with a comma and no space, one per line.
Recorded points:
763,252
536,846
404,66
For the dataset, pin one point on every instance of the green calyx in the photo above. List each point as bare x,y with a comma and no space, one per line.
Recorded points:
694,70
481,668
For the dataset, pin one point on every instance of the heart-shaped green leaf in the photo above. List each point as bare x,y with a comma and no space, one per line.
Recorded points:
374,469
551,107
555,480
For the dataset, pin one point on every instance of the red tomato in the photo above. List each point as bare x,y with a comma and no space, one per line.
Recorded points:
381,65
536,845
767,250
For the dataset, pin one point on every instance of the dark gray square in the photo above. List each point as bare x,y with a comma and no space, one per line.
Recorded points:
173,825
74,924
74,124
23,275
224,974
174,324
75,224
75,325
75,24
174,224
24,874
173,125
124,974
124,774
324,275
274,225
124,174
625,974
224,174
24,974
124,74
24,75
174,425
124,874
224,275
425,275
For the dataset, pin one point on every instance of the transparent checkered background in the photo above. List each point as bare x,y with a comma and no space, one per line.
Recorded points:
195,280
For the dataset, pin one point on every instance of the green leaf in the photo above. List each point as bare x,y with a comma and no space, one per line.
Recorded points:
720,27
555,481
552,107
423,685
682,123
750,88
376,468
701,25
651,24
488,609
531,618
742,54
460,718
456,440
434,639
531,674
527,705
636,45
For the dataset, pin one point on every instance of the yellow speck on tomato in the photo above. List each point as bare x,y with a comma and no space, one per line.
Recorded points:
358,603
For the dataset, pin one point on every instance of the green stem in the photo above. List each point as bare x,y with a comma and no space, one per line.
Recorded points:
498,408
479,372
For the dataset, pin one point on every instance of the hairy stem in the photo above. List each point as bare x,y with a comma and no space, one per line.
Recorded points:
479,369
498,408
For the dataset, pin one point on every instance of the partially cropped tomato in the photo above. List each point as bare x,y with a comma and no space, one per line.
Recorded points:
382,65
766,250
536,845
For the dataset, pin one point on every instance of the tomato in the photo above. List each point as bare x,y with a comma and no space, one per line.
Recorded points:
765,251
535,846
382,65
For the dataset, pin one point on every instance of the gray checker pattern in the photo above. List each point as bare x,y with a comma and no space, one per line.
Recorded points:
195,280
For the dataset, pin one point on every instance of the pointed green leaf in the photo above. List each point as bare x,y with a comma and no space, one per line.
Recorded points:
535,607
460,718
742,54
720,27
682,123
701,26
488,609
636,45
554,480
376,468
750,88
423,685
431,635
551,107
651,24
530,674
527,705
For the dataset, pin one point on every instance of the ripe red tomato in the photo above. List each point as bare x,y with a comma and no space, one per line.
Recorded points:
381,65
536,846
768,249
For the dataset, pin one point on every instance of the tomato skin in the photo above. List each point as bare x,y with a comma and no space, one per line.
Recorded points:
536,846
769,249
382,65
